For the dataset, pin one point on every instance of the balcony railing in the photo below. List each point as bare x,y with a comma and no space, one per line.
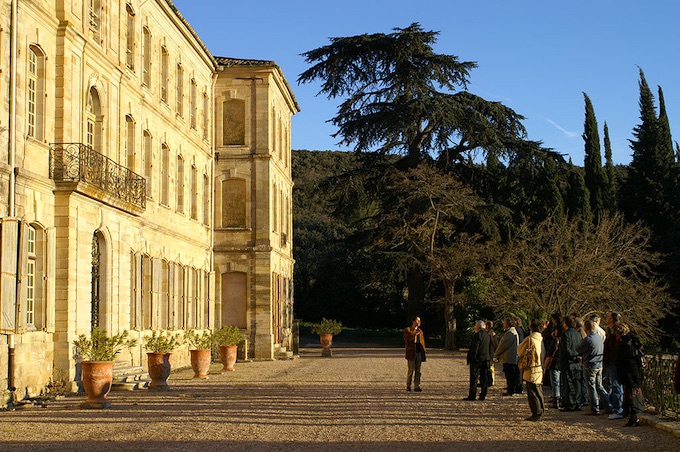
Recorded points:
77,162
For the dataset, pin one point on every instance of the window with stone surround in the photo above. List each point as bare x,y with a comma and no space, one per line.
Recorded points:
179,185
35,90
234,203
192,104
233,122
194,193
148,161
165,73
130,37
146,57
179,90
129,144
165,174
207,191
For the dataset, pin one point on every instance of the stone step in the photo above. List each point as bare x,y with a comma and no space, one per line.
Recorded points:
129,378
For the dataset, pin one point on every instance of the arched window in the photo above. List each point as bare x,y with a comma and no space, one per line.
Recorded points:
93,129
165,73
165,174
130,37
146,56
36,92
130,151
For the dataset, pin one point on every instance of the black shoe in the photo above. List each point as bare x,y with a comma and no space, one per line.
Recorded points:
567,409
633,423
508,394
408,389
468,398
533,418
482,398
418,389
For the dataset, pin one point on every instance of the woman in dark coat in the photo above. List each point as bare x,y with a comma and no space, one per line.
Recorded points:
629,370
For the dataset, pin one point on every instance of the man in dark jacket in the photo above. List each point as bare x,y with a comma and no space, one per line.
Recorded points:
569,365
478,358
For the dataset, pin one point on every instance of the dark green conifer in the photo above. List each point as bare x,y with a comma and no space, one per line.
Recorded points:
611,187
595,178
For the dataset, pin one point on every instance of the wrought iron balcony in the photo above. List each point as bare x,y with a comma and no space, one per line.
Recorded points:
77,162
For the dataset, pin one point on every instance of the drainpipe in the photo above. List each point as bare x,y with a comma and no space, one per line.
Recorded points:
12,109
12,132
10,363
211,215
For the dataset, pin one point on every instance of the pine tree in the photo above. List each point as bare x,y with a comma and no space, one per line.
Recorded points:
611,187
595,178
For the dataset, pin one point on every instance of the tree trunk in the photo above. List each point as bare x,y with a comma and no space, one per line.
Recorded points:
416,292
449,318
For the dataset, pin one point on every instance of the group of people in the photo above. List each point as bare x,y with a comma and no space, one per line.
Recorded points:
584,365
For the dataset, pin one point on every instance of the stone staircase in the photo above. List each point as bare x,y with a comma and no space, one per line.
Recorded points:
129,378
280,352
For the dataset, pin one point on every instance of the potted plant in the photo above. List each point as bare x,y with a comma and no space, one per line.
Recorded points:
97,354
227,339
159,346
200,345
326,329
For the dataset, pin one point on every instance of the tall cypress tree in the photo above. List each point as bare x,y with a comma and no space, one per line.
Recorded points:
650,172
595,178
578,196
611,187
665,140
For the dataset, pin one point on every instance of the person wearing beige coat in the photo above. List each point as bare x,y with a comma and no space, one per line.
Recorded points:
533,374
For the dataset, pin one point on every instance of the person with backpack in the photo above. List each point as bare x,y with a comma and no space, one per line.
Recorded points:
531,352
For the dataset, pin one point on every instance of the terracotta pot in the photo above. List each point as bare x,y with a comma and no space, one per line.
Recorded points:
228,357
326,344
97,379
200,363
159,371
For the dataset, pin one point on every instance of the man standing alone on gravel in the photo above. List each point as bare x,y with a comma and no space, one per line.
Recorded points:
414,341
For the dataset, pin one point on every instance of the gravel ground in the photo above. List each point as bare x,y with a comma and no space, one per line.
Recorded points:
353,401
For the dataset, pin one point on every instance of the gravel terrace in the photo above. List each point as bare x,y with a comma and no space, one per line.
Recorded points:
353,401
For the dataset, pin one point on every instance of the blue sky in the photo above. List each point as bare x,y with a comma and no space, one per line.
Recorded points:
535,56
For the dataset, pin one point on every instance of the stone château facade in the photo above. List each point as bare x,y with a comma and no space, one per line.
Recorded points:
144,184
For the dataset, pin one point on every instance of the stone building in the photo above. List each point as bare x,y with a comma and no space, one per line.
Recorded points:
144,184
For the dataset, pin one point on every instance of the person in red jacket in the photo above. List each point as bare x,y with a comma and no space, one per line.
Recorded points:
414,340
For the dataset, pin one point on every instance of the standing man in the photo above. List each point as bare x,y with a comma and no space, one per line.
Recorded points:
610,374
478,358
414,341
569,365
506,353
591,349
